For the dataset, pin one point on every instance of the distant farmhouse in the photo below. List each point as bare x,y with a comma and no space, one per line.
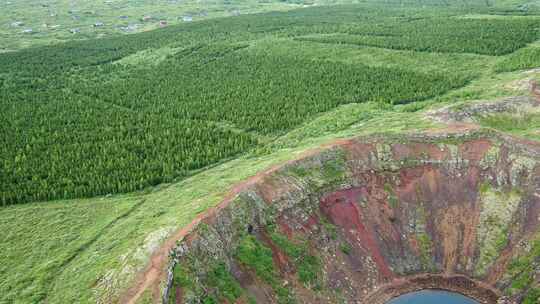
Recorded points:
129,28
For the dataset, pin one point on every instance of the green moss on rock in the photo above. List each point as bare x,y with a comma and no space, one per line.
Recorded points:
181,279
392,198
426,247
498,207
324,170
521,165
523,268
253,254
307,265
425,243
490,157
224,285
532,296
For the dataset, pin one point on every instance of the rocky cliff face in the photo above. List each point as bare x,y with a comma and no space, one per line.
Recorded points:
372,218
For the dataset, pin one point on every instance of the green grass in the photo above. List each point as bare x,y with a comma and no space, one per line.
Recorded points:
524,123
345,248
426,248
181,279
40,245
62,16
392,199
258,257
255,255
532,296
226,287
494,224
307,265
217,286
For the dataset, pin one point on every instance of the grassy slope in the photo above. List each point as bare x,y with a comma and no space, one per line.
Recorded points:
83,250
524,123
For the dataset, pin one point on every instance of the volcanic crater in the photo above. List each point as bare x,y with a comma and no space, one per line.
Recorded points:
368,219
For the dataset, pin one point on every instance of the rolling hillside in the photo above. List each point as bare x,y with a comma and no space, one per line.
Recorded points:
111,145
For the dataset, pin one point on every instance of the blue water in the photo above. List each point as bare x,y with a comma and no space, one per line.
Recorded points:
432,297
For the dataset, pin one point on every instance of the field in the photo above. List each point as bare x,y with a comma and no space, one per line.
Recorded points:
23,23
52,21
131,136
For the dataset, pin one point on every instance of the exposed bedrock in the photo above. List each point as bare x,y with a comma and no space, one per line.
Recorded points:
371,218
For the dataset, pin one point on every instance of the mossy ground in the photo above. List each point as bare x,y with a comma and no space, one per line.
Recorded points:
217,286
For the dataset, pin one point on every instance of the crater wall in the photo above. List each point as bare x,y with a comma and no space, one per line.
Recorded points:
372,218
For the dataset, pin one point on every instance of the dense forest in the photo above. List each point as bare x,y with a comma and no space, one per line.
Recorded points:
77,121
